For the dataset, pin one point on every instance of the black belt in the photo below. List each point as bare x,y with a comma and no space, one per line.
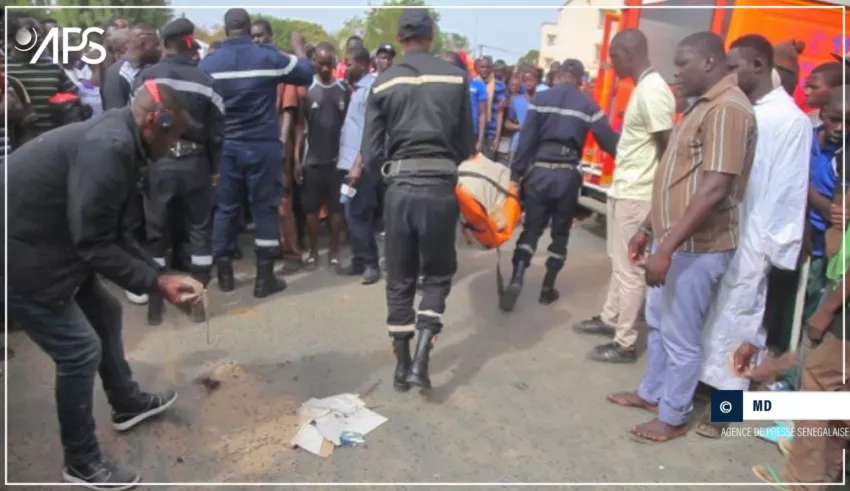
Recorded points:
554,151
419,167
556,165
186,147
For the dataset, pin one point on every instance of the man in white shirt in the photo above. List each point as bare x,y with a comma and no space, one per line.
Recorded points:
772,216
648,120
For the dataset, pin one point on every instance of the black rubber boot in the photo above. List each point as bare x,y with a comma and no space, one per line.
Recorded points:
224,272
203,274
418,375
548,293
511,293
401,349
156,306
266,282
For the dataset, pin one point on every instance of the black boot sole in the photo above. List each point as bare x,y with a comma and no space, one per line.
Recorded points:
509,297
422,383
401,386
549,299
262,293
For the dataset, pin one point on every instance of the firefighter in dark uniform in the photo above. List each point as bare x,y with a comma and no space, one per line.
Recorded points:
418,130
547,164
180,184
247,75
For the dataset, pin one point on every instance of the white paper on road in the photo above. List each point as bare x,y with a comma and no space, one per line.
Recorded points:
324,420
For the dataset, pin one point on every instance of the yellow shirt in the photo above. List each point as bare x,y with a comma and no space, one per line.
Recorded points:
651,109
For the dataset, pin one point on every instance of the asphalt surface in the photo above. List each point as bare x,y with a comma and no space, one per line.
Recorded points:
514,398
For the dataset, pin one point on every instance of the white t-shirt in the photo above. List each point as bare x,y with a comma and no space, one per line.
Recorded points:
651,109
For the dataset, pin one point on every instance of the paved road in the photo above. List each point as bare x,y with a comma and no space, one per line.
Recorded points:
514,398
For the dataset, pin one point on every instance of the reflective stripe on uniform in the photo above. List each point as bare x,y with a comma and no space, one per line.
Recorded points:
430,313
187,86
567,112
559,257
274,73
407,328
266,242
202,260
420,80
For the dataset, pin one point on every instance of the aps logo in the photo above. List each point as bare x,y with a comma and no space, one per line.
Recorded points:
27,39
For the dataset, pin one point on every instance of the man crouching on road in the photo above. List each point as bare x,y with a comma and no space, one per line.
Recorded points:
68,190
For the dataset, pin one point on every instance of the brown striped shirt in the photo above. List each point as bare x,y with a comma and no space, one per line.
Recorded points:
717,134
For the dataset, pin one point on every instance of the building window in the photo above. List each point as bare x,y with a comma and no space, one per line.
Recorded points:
601,19
597,50
550,39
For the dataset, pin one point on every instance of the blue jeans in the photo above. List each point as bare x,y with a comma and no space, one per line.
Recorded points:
255,167
360,216
83,338
675,314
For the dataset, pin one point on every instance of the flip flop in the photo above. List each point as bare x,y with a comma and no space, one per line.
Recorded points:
650,408
707,429
767,474
784,445
650,441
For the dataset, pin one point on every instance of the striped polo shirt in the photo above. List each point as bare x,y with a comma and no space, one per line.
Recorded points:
42,80
717,134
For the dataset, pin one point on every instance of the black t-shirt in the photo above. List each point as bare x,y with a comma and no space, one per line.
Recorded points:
324,109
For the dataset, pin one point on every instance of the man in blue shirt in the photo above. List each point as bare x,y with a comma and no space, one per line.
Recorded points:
822,175
360,208
496,93
246,75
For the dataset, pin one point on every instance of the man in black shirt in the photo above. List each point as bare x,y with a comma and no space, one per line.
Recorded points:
67,193
324,112
142,51
418,130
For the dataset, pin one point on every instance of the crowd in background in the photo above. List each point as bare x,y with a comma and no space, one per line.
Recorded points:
716,280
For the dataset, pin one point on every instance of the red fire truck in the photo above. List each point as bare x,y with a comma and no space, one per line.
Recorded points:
822,30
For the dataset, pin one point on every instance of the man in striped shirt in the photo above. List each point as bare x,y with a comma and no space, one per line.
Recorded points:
41,79
698,187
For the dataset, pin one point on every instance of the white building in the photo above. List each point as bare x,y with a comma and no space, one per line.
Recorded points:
577,33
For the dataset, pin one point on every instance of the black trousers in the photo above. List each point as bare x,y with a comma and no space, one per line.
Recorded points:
421,225
180,188
550,196
83,337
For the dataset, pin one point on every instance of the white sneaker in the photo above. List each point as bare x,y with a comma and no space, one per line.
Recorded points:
137,299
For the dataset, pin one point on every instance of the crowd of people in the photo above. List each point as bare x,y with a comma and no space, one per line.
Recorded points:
724,194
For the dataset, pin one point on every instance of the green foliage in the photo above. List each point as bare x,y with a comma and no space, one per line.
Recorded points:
382,25
83,17
282,30
529,58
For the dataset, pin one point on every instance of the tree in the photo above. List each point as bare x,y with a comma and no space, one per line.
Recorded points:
211,35
282,29
531,57
354,26
84,17
382,25
453,41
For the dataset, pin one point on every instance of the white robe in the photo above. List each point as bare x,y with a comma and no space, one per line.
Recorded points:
772,220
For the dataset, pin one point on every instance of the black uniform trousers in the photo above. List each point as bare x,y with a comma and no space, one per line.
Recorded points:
420,219
181,187
549,195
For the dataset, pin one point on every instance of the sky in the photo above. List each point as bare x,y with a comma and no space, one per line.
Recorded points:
506,33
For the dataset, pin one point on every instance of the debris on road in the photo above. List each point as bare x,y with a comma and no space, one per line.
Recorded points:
208,382
342,420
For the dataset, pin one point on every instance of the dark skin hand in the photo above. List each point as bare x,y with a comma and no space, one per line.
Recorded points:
713,188
820,203
482,125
